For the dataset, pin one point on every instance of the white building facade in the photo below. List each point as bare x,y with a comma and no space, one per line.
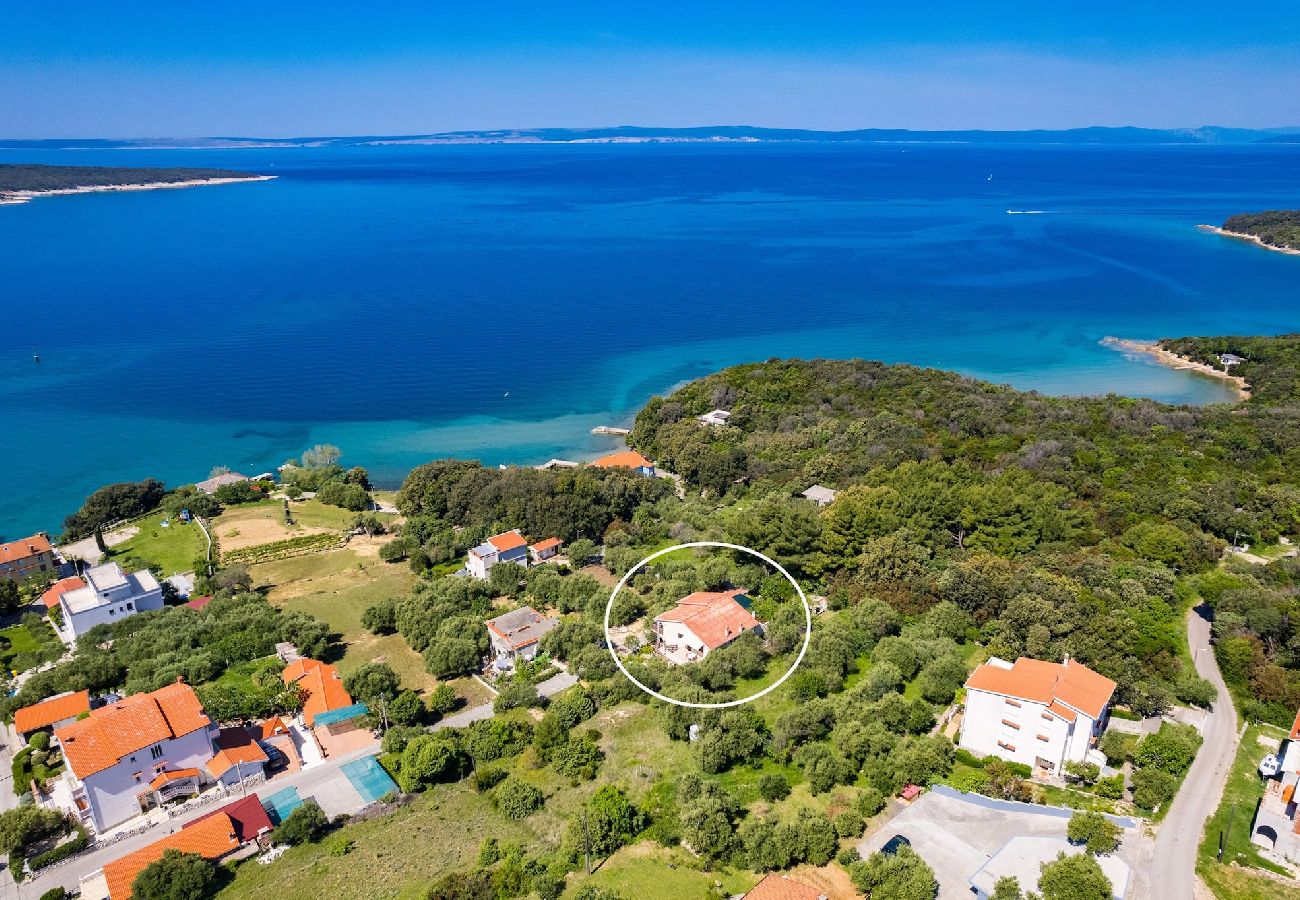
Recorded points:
509,546
110,595
115,755
1041,714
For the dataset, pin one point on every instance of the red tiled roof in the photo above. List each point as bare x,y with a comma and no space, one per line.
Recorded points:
212,837
118,730
248,816
322,684
1053,684
507,540
174,775
51,597
199,602
1295,728
235,746
47,712
546,544
714,617
780,887
627,459
22,549
272,726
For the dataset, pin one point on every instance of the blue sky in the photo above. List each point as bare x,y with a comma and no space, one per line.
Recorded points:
281,68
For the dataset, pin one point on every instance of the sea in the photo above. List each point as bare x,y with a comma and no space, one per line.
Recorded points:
495,302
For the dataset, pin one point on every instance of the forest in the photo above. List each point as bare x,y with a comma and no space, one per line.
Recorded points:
1274,227
21,177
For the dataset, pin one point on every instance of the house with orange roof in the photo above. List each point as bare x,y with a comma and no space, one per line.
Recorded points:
49,714
703,622
29,556
627,459
323,690
238,756
1039,713
508,546
544,550
212,837
56,591
782,887
116,754
1276,829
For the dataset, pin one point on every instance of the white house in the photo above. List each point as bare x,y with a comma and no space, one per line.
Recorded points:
544,550
716,417
822,496
701,623
517,634
1276,821
1042,714
109,595
129,755
509,546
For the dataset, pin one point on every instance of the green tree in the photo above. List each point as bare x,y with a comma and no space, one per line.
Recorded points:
1006,888
516,798
902,875
610,822
302,826
1074,877
175,876
26,824
372,681
428,759
1095,831
406,709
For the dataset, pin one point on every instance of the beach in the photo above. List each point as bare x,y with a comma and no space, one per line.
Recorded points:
12,198
1242,236
1174,361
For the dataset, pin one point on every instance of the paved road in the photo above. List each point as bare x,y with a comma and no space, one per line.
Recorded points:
548,688
69,874
1173,867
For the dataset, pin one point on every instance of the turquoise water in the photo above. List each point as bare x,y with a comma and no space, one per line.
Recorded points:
496,302
280,804
369,779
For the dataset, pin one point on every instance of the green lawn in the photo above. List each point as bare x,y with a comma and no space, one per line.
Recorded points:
1233,820
172,549
650,871
20,641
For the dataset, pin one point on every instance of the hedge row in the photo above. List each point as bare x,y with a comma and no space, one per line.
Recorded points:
295,546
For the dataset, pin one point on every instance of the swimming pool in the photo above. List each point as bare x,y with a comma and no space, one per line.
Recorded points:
280,804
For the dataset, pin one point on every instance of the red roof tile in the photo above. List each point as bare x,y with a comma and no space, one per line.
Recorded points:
507,540
248,816
627,459
22,549
1295,727
173,775
234,746
47,712
51,597
781,887
547,544
1070,683
322,685
199,602
212,837
118,730
714,617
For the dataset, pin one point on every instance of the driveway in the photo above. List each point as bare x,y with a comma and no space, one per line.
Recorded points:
548,688
1175,852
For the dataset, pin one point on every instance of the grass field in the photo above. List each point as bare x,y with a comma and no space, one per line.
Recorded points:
337,587
1233,820
172,549
20,641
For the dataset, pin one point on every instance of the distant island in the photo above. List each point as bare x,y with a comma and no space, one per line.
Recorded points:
20,183
1275,229
637,134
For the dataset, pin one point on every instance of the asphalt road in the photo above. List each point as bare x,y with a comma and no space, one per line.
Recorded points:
1173,872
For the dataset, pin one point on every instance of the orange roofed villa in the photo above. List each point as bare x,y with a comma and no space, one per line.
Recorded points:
27,557
627,459
703,622
1042,714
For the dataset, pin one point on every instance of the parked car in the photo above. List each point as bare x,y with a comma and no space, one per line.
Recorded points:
894,844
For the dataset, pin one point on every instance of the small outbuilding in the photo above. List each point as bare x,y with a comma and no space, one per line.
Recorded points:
822,496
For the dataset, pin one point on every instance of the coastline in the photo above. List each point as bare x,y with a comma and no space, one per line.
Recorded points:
1242,236
1174,361
13,198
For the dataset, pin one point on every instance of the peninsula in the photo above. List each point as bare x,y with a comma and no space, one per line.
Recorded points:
1274,229
20,183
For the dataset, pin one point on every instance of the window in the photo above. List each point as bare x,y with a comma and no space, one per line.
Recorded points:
1015,703
156,751
137,776
112,611
1047,716
1005,746
130,606
1010,724
1043,737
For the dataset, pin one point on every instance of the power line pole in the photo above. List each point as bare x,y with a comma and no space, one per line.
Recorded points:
586,841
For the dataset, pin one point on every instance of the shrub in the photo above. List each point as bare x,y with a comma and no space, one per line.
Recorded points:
61,852
486,778
1095,831
849,824
176,876
1111,788
304,825
40,740
1082,771
773,787
339,845
1153,787
516,798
